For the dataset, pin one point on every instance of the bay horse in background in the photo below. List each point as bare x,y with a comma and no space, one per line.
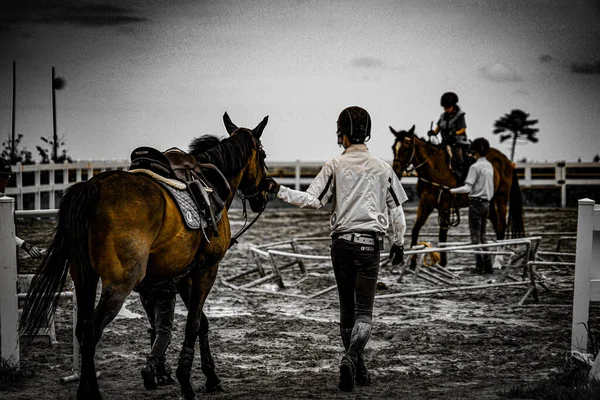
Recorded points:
431,164
120,227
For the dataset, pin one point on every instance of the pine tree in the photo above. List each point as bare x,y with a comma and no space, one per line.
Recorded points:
519,126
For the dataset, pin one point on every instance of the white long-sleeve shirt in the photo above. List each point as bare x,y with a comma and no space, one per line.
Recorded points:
480,180
365,192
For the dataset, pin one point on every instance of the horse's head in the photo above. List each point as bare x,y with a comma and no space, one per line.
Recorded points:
251,185
404,150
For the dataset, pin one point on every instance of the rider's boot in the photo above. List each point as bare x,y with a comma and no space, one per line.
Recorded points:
148,373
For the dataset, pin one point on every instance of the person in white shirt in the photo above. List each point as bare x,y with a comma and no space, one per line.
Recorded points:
366,199
5,174
480,187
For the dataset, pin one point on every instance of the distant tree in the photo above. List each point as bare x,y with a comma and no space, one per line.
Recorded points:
596,158
22,155
45,150
519,126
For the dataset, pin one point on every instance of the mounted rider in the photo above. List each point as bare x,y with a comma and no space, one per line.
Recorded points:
453,128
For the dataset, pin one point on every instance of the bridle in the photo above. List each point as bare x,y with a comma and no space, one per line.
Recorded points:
451,222
255,191
412,156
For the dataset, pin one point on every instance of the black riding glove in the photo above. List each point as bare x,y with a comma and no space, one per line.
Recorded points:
431,132
270,185
397,254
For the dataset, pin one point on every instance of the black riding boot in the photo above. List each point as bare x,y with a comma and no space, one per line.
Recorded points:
148,372
362,374
349,366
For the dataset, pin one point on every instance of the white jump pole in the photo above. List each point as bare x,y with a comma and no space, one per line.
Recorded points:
9,336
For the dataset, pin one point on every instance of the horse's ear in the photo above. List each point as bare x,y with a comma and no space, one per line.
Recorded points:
257,132
396,133
412,131
229,126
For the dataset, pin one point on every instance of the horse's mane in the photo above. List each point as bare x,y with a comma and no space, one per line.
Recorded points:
230,155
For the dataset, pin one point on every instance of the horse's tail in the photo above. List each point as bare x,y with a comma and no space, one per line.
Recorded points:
69,245
516,217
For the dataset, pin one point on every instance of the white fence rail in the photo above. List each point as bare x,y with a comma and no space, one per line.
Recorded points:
46,182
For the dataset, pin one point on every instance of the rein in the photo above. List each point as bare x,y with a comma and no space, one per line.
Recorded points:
244,197
412,156
454,218
246,226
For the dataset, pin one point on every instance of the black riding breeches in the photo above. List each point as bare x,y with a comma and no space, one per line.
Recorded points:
478,213
355,267
160,309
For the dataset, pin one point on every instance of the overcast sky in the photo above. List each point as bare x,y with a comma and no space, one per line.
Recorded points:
140,72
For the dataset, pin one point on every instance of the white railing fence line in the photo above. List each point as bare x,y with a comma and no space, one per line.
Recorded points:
50,180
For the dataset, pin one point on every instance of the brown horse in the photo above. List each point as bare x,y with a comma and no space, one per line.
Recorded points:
431,163
120,227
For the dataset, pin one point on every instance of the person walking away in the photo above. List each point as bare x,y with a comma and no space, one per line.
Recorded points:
366,199
5,175
453,128
479,185
158,300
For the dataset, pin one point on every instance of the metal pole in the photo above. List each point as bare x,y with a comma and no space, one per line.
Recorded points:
54,139
13,152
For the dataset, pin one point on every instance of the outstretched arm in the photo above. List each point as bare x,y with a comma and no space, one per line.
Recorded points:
316,196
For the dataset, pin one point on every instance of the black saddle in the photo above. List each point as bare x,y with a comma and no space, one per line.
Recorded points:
205,182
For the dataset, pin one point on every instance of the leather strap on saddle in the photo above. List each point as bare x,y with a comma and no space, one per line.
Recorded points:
205,182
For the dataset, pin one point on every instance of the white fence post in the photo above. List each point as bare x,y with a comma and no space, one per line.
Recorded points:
583,266
297,175
9,336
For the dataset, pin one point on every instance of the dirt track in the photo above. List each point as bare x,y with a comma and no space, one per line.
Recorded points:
463,345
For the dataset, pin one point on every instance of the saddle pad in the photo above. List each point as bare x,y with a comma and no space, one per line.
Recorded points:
187,207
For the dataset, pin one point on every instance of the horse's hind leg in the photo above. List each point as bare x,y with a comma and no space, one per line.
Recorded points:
112,299
85,291
213,382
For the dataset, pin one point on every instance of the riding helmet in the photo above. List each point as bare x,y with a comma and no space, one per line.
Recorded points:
354,122
449,99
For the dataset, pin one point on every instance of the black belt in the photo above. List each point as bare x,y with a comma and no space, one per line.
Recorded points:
357,238
478,199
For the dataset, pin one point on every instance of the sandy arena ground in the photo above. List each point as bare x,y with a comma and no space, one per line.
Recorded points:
461,345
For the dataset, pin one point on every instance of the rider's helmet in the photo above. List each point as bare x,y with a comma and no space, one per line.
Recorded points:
5,168
354,122
449,99
480,146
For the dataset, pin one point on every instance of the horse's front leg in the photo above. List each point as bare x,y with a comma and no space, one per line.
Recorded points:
423,212
202,282
442,238
213,382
